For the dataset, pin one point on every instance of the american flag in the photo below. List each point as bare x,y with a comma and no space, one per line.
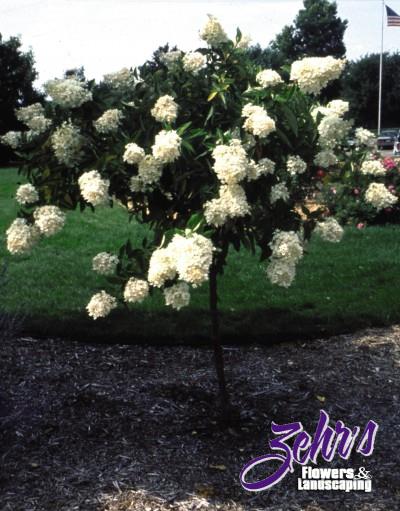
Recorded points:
393,19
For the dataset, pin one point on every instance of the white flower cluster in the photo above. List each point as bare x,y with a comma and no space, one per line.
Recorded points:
167,146
177,296
379,196
120,80
162,267
165,109
33,117
332,131
27,194
213,33
49,219
244,42
329,230
313,73
136,290
257,122
365,138
12,138
263,167
337,107
21,236
109,122
105,263
188,256
194,61
279,192
287,250
373,168
231,203
230,162
94,189
325,159
295,165
268,78
67,144
68,93
171,58
149,170
133,153
100,305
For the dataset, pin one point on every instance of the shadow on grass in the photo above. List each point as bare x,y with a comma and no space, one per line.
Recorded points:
263,326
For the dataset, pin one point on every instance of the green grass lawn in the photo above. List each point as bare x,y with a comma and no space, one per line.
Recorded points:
339,287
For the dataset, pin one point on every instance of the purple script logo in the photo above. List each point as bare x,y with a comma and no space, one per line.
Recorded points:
327,441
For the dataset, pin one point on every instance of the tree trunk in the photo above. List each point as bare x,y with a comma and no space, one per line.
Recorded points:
223,396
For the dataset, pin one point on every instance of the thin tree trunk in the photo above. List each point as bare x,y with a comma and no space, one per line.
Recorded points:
216,340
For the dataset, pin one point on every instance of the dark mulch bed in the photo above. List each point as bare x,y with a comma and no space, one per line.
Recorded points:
118,428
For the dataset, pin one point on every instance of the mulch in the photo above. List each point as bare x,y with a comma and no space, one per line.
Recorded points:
117,428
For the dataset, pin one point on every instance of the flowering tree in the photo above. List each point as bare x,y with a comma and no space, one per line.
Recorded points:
206,149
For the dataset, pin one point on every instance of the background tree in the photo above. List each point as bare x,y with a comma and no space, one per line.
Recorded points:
360,85
317,31
17,74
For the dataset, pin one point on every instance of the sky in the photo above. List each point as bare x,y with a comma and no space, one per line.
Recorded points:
106,35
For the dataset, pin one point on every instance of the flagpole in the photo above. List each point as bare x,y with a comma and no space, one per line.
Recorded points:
380,73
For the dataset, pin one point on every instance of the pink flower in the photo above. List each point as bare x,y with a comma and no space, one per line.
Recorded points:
389,163
360,225
356,191
333,190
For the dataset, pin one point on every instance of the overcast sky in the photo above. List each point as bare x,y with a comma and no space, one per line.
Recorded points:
106,35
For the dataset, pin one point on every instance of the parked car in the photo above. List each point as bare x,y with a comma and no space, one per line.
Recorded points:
386,139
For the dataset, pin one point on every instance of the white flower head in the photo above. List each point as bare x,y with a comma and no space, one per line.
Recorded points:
325,159
177,296
373,168
109,121
194,62
379,196
268,78
365,138
161,268
12,138
21,237
68,93
296,165
314,73
133,154
94,189
171,58
167,146
281,273
105,263
101,304
150,170
165,109
230,162
231,203
213,33
49,220
286,245
67,143
192,256
136,290
27,194
279,192
257,122
329,230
